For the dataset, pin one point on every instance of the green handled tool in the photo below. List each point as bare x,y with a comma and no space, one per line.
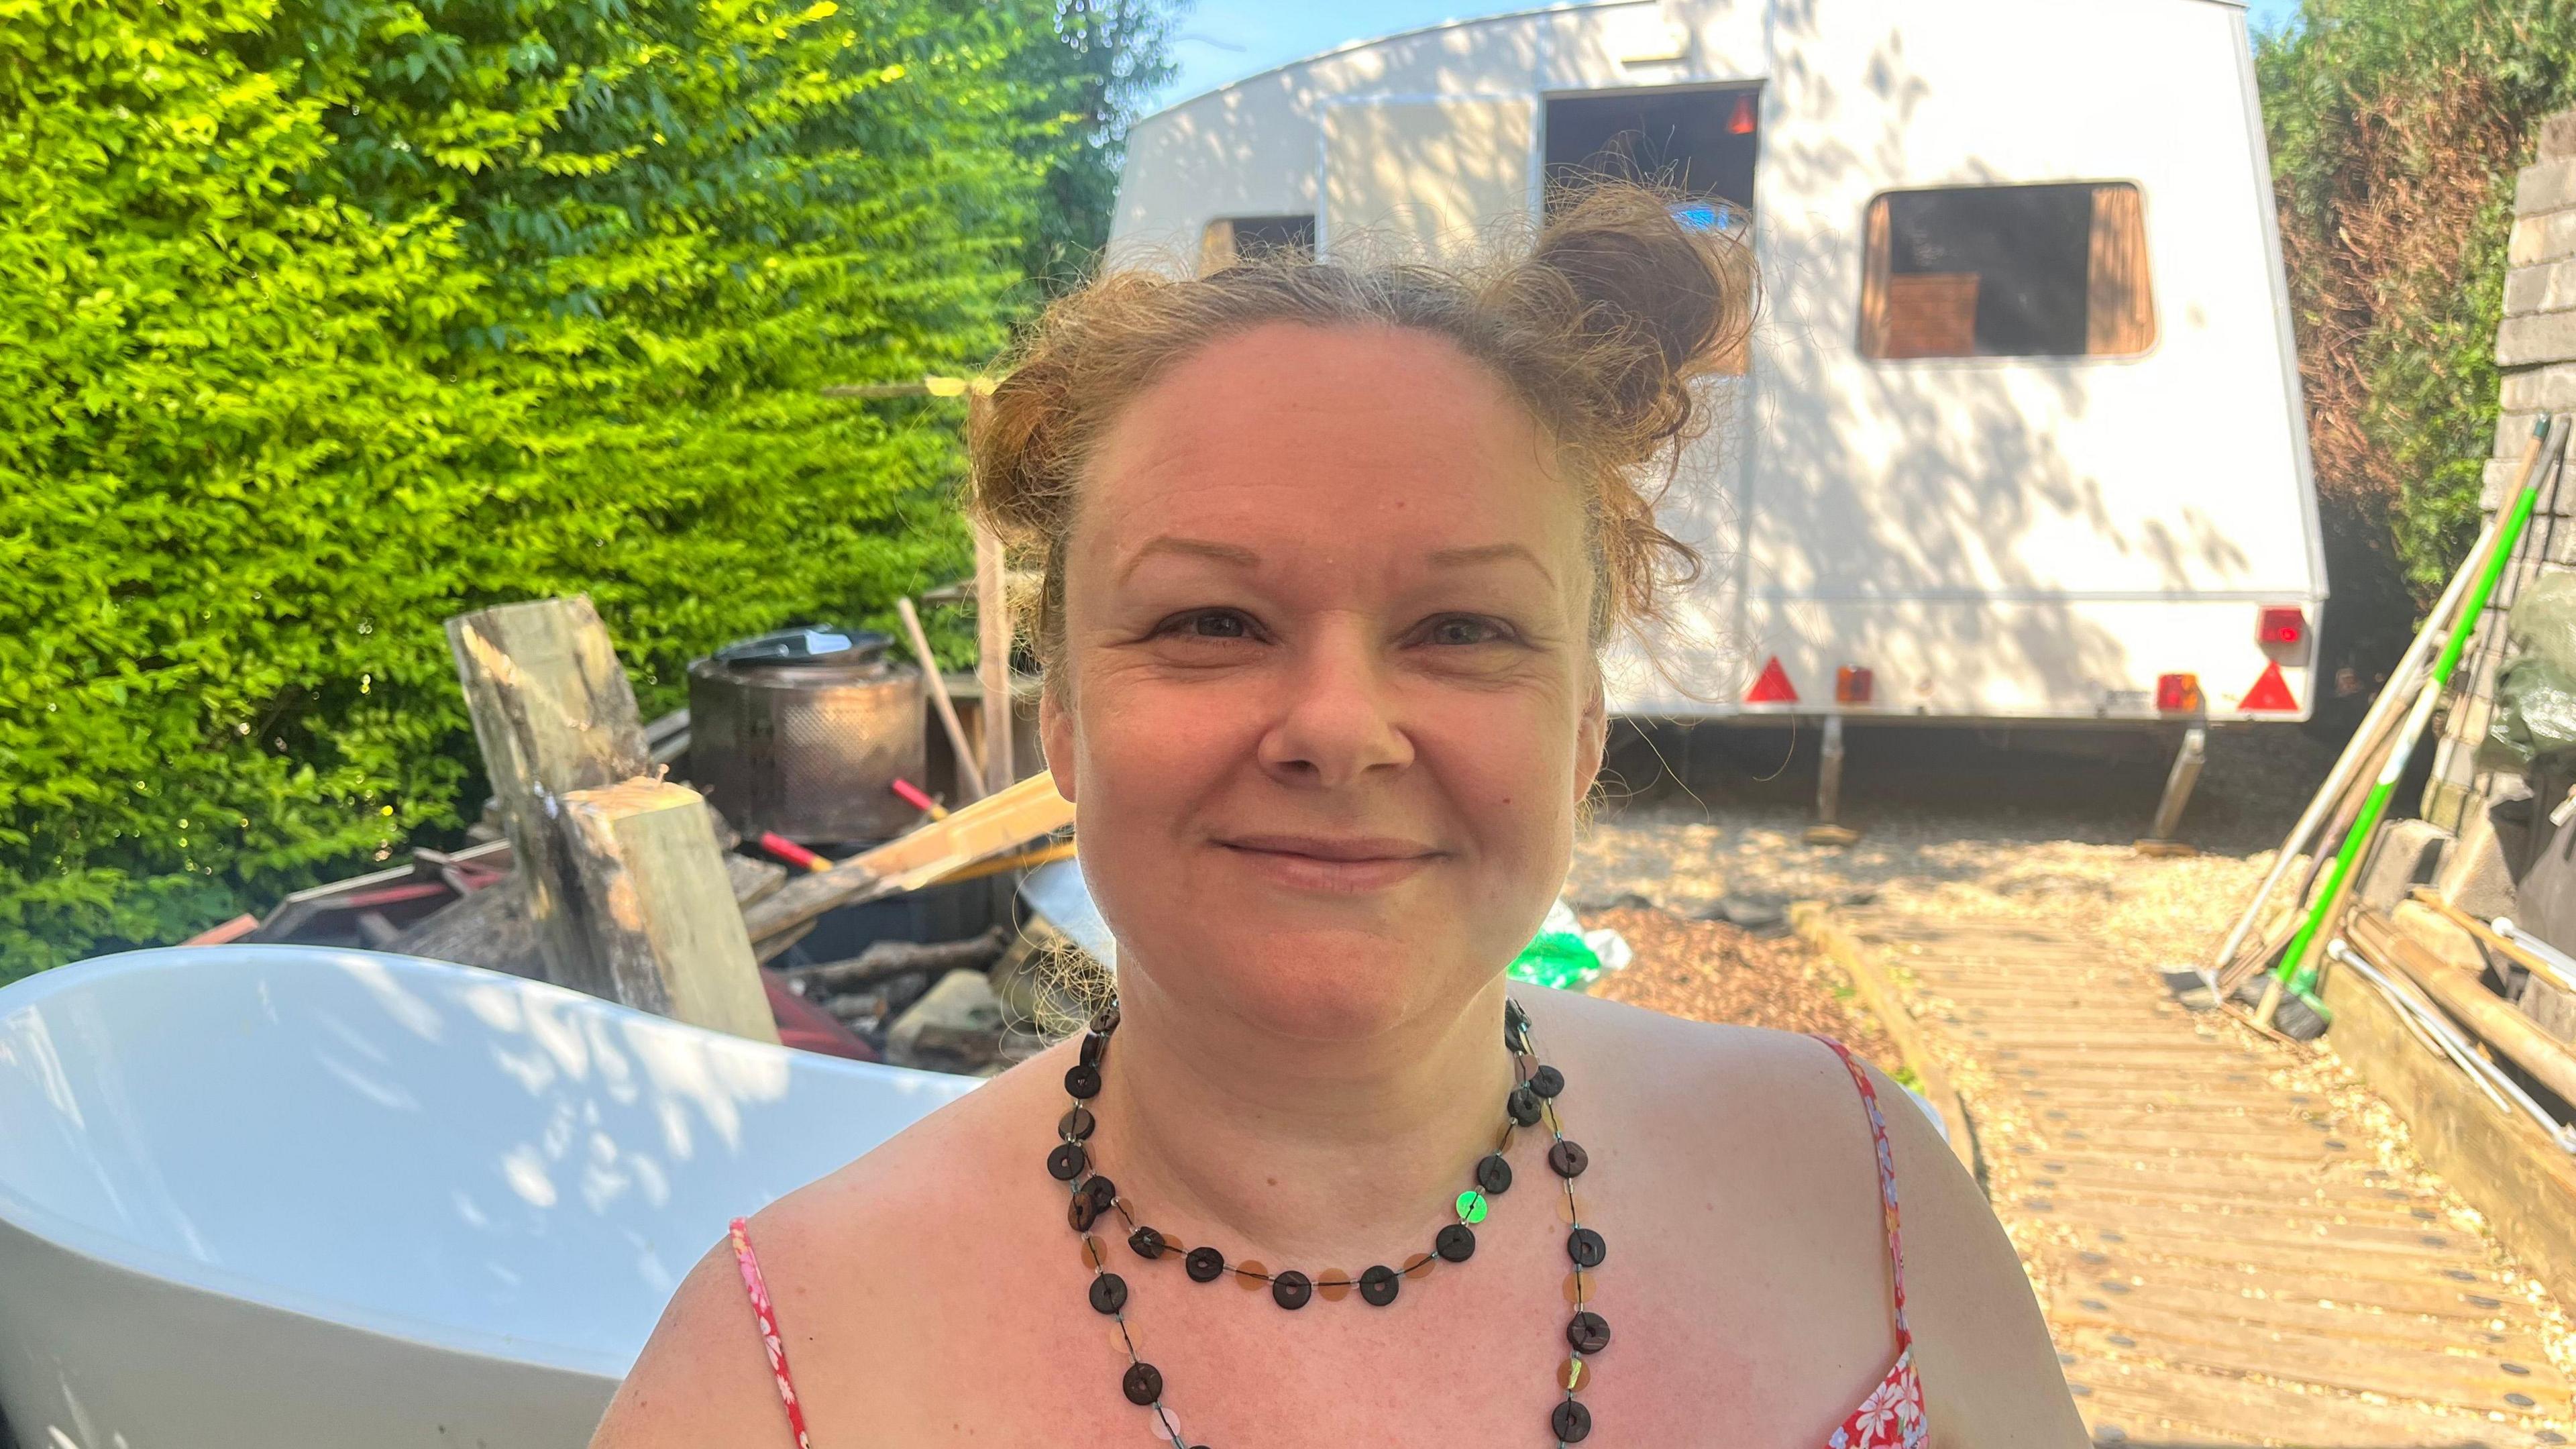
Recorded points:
2297,974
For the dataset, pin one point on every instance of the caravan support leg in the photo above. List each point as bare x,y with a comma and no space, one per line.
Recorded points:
2178,785
1828,830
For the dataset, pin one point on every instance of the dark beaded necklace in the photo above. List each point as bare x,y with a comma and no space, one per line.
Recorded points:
1532,1100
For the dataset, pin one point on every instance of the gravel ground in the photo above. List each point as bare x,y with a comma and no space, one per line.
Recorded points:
1953,823
1711,971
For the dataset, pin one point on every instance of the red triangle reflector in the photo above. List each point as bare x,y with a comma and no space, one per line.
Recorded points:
1773,687
2269,692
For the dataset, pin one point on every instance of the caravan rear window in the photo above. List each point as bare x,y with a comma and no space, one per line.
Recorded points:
1229,239
2006,271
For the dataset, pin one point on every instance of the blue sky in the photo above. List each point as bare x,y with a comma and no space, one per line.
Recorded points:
1223,40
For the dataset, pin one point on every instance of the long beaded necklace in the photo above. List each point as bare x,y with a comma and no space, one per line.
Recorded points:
1532,1100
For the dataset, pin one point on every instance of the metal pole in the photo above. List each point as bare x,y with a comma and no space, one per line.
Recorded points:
2179,783
1829,776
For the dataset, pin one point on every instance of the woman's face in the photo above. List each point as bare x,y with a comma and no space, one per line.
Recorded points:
1331,703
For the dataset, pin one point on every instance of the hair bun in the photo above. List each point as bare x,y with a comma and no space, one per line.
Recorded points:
1671,297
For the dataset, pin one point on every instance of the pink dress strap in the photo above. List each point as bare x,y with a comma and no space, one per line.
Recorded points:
759,1291
1886,1182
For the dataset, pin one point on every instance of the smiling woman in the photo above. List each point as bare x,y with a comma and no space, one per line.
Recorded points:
1329,558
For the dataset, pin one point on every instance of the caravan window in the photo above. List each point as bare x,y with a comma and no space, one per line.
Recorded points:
2006,271
1701,144
1230,239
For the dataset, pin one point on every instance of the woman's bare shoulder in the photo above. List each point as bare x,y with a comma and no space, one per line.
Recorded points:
1677,1056
851,1244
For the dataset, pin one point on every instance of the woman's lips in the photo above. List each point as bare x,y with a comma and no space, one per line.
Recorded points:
1300,870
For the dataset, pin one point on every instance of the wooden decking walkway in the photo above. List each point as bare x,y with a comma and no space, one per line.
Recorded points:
2223,1256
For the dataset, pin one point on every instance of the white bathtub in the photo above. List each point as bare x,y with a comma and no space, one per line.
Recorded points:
292,1197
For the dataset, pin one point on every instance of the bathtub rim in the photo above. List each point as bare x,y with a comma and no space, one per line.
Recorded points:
117,1251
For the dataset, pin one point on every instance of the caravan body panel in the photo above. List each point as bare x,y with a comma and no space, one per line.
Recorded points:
2037,537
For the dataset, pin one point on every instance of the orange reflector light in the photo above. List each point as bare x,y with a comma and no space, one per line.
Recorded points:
2178,693
2282,624
1853,685
2269,692
1741,123
1773,687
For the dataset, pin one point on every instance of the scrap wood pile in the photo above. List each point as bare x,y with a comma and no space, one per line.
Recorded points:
2424,920
612,879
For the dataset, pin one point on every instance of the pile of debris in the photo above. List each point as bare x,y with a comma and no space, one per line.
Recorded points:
612,878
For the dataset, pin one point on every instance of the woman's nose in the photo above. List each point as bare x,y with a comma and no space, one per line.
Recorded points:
1339,717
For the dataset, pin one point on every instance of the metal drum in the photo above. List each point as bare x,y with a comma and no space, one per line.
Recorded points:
802,732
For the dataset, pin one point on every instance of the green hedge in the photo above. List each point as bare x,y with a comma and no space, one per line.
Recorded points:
2396,127
323,320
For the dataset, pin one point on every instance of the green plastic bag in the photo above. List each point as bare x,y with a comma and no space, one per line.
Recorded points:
1565,956
2535,699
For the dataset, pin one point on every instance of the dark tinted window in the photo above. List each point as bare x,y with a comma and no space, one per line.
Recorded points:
2006,271
1702,142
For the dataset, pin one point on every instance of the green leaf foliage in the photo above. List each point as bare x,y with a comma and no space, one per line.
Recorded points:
2396,127
324,320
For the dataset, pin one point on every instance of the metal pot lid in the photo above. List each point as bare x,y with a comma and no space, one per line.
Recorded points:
807,644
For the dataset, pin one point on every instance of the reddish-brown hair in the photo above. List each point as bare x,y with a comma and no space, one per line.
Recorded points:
1598,327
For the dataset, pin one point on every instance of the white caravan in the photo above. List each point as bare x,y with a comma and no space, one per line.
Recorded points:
2018,437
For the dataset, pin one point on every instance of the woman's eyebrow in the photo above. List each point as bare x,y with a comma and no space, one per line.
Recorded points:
1229,553
1488,553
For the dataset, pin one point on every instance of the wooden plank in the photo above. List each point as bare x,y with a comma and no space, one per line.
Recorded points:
2416,1371
553,714
2184,1142
2251,1183
2286,1226
2317,1280
2066,1187
2275,1118
1000,821
970,773
2506,1031
2220,1316
2085,1182
2502,1165
2472,1309
649,889
2390,1279
993,660
1815,922
2183,1408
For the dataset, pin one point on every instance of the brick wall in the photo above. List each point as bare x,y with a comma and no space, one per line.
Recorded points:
2536,352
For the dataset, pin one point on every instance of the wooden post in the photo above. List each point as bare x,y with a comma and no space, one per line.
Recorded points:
970,774
993,661
650,893
553,713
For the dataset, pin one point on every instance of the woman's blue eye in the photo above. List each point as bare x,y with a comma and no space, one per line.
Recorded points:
1445,631
1233,622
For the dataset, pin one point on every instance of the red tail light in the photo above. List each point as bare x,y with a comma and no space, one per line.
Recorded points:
1853,685
2178,693
1773,687
2282,625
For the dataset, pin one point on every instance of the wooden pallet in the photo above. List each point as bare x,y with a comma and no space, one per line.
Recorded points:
2223,1258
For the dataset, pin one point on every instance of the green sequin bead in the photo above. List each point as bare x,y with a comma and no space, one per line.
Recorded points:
1471,1206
